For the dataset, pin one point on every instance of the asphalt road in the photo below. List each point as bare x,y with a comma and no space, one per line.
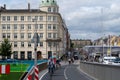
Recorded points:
67,72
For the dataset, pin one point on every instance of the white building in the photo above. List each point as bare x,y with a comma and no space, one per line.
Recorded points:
19,25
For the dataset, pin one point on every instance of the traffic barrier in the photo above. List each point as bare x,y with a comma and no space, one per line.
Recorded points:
5,69
29,77
99,71
36,73
41,67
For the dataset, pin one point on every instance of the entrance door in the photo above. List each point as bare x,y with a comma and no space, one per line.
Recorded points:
29,55
15,55
22,55
49,54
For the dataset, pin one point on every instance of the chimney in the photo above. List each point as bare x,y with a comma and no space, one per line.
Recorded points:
4,6
29,6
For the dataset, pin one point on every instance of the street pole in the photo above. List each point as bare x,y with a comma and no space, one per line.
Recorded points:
35,40
56,49
35,62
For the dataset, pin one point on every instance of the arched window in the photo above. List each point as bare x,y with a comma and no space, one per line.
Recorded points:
49,9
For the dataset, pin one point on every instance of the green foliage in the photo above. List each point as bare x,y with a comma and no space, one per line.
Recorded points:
5,48
72,45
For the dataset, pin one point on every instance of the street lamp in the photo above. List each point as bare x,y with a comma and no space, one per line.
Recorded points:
35,40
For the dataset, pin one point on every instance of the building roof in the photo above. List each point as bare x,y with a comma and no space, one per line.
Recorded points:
22,11
49,3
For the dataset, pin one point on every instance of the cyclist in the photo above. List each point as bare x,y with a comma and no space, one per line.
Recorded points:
50,65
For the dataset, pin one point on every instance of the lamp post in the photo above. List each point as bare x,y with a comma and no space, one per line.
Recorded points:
35,40
56,48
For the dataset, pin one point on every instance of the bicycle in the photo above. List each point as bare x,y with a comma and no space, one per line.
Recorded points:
51,69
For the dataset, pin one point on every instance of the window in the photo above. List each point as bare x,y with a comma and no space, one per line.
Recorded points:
22,35
41,44
49,18
54,35
49,26
49,9
3,35
49,44
49,35
22,18
36,26
41,18
29,44
15,26
54,26
15,18
3,26
8,26
22,26
41,35
36,17
3,18
41,26
29,26
15,54
8,35
15,35
29,18
15,44
29,35
8,18
22,44
54,9
54,44
54,18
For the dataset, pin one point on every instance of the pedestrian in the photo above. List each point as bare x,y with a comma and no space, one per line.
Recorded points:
69,60
58,63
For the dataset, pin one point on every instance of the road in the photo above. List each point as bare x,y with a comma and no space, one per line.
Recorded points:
67,72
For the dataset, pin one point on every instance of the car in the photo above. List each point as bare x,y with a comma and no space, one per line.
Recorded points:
75,57
117,60
109,59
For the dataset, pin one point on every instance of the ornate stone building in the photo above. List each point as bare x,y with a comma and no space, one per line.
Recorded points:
19,26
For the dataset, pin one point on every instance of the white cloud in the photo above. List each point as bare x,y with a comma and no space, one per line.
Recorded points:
83,17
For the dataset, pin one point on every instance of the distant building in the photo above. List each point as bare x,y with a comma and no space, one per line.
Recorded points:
110,40
19,25
81,43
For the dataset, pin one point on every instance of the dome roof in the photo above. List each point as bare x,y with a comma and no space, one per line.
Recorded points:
48,3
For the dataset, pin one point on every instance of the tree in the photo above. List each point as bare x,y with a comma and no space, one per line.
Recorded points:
5,48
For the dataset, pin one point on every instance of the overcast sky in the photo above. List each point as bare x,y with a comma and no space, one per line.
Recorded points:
85,19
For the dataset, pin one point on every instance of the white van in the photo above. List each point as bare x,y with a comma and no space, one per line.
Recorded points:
109,59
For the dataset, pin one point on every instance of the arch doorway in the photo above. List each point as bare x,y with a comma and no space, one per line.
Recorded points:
39,55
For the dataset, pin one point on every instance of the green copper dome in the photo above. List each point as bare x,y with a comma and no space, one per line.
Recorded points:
48,3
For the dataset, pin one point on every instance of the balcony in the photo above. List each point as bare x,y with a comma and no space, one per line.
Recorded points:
53,40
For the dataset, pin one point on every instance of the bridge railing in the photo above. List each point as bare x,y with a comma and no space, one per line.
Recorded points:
101,71
41,67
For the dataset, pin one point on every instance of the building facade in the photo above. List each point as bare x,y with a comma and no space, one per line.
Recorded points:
81,43
110,40
19,26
